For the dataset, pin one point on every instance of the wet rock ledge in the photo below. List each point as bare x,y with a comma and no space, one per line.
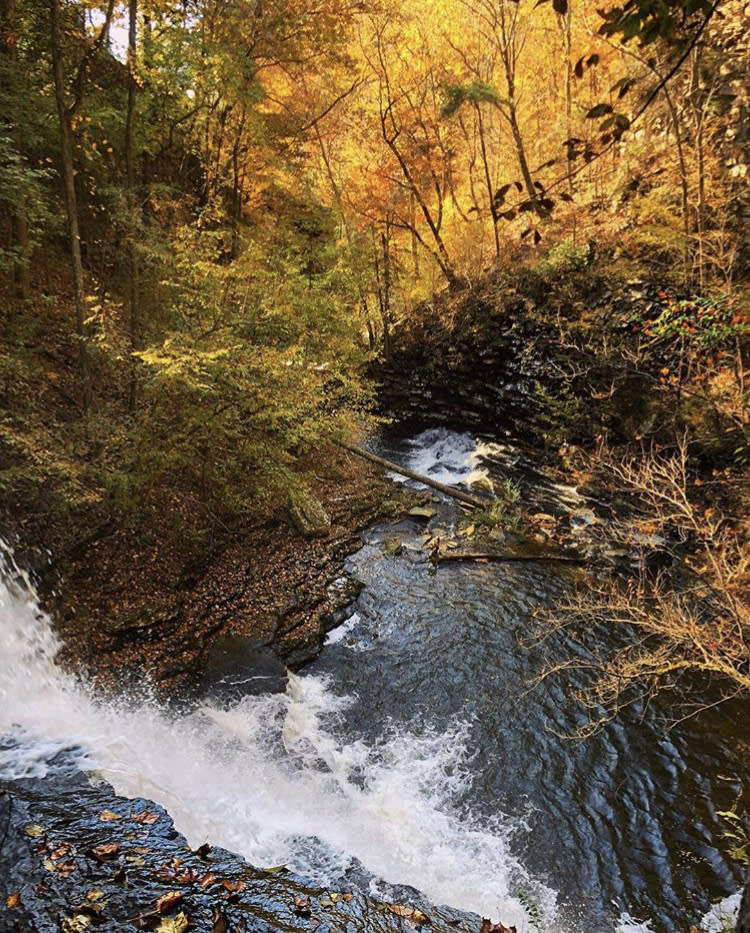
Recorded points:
74,856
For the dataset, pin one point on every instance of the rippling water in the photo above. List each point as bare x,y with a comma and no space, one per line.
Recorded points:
413,752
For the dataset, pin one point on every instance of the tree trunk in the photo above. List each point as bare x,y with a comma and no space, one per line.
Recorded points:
134,323
684,191
71,205
521,152
19,220
478,502
488,179
21,267
698,114
512,116
385,241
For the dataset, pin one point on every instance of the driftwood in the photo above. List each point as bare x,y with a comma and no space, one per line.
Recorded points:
441,557
467,498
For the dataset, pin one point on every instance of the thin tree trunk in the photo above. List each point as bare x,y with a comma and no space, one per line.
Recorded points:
684,191
521,152
134,324
698,122
236,205
512,116
385,242
22,266
71,205
414,240
19,220
441,255
478,502
488,179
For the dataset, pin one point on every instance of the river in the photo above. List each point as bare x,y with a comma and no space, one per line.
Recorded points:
413,751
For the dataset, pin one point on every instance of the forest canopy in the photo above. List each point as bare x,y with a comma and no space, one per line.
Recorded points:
214,212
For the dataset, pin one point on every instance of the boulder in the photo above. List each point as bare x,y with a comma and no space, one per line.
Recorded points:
393,546
307,514
422,512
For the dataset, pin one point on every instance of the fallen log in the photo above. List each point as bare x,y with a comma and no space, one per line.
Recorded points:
477,502
444,557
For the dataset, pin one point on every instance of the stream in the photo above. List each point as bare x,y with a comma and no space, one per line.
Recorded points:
413,751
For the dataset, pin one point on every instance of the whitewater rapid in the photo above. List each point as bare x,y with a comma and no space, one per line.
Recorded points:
267,777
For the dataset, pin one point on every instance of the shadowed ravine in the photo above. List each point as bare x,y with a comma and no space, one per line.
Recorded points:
412,752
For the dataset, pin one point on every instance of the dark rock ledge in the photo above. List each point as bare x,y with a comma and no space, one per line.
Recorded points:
74,856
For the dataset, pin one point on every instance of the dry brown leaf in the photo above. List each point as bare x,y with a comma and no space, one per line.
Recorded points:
106,816
12,900
106,851
412,916
145,816
167,901
219,923
233,885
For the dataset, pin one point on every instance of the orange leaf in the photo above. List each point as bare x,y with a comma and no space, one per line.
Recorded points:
167,901
106,851
233,885
145,816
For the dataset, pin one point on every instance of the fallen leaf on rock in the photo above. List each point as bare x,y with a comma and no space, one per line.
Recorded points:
202,851
62,850
107,816
167,901
138,860
233,885
145,816
34,830
207,880
106,851
177,924
12,900
95,894
219,923
275,869
412,916
348,897
76,924
302,907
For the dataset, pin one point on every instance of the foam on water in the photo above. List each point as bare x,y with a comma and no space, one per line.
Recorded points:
448,457
341,632
269,777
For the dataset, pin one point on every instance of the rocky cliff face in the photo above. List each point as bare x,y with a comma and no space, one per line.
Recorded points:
75,857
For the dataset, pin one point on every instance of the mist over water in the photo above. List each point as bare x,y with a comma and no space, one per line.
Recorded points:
411,748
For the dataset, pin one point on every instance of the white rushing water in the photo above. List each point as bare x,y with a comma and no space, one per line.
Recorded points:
268,777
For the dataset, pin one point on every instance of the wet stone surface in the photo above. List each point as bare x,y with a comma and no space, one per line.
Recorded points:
74,856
